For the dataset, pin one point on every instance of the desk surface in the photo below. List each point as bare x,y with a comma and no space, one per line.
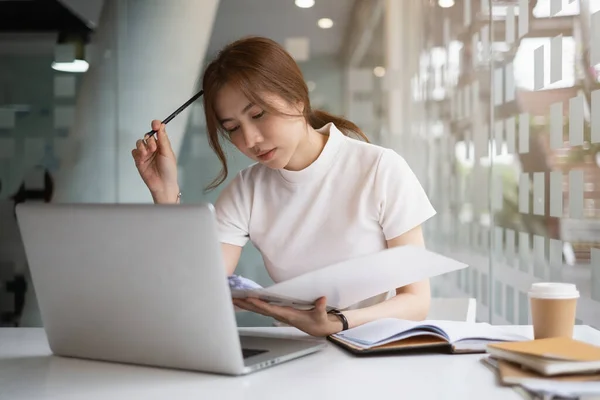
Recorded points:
29,370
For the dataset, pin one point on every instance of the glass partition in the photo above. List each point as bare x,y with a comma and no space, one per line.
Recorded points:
508,93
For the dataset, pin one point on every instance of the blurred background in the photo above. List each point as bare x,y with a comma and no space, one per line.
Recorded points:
494,104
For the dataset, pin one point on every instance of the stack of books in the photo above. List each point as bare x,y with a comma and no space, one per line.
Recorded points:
557,365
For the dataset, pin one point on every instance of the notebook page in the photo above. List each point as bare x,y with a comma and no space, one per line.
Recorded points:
475,332
382,331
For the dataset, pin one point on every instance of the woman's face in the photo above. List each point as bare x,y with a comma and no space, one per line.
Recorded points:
269,139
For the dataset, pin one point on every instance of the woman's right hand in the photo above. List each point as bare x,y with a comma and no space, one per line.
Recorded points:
156,162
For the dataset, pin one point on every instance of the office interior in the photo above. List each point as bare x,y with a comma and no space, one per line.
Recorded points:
494,104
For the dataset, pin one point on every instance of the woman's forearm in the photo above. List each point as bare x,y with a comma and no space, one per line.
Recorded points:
411,305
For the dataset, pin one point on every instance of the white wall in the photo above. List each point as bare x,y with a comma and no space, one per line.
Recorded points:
146,59
326,73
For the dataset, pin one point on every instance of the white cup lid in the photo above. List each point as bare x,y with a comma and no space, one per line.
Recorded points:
553,290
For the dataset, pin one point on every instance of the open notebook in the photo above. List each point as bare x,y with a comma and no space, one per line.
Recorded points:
396,335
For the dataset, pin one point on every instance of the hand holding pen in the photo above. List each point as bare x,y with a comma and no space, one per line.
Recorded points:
156,161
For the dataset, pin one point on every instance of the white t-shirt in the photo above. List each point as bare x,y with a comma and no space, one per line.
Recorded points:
347,203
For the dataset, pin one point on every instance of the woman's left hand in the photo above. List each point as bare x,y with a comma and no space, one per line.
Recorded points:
315,322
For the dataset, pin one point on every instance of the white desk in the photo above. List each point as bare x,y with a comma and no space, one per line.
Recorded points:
29,371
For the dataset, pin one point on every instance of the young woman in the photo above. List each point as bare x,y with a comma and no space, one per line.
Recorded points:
314,197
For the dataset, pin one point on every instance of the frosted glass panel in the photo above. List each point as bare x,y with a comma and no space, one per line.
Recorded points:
510,135
523,17
556,194
524,133
524,184
595,51
595,116
576,121
576,194
538,193
64,86
556,73
556,125
510,149
7,118
538,65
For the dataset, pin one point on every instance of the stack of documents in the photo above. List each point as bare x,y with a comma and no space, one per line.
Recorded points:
558,366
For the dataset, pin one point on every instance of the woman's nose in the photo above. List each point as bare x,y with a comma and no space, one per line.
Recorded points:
252,137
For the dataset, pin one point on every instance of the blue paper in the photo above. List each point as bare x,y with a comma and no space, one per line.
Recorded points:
238,282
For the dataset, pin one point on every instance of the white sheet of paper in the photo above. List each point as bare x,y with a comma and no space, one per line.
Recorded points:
348,282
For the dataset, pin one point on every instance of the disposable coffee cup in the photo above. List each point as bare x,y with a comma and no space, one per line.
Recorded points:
553,307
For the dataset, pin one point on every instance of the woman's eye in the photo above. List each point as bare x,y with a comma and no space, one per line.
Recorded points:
235,128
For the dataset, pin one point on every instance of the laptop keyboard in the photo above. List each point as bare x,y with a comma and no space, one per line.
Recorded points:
252,352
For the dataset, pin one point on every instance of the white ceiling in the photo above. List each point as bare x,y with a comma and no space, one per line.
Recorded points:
88,10
276,19
281,19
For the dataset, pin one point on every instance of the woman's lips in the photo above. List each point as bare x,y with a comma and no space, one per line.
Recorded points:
268,155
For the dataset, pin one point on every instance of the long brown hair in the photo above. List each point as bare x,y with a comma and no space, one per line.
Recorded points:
259,65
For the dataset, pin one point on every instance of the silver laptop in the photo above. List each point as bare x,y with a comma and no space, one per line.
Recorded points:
141,284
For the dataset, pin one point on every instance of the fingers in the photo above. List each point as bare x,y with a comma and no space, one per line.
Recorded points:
145,147
164,144
245,305
281,313
321,305
150,143
142,148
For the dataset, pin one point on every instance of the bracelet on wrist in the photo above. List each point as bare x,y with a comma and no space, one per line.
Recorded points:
341,317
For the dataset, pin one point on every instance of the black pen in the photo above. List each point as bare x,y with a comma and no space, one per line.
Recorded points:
180,109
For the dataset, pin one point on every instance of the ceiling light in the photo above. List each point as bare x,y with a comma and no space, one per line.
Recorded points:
379,72
73,66
325,23
305,3
70,53
446,3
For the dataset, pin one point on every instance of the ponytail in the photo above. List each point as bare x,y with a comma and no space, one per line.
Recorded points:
319,118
